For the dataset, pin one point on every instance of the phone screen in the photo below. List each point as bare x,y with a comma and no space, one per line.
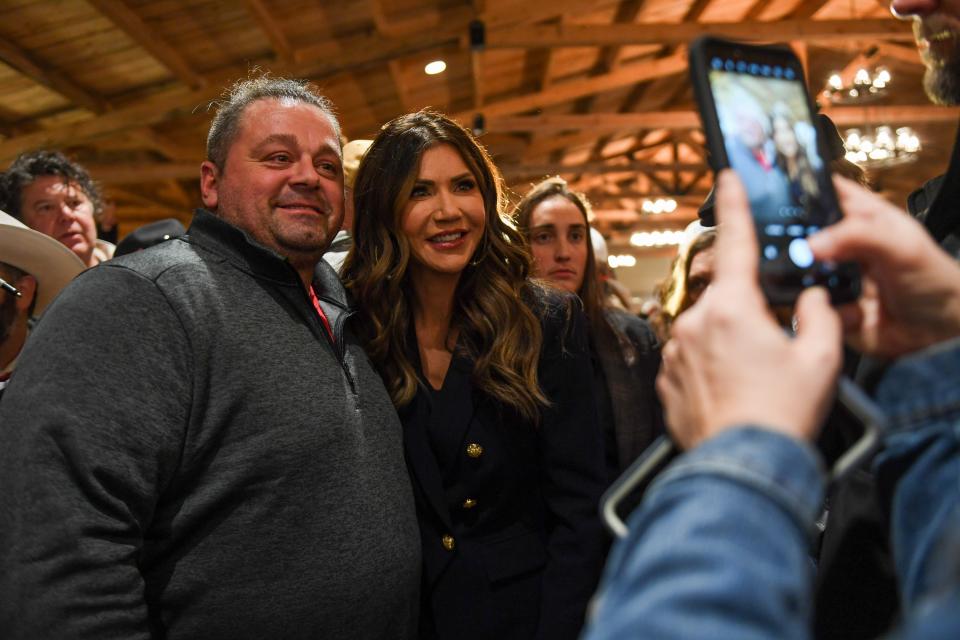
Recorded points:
771,141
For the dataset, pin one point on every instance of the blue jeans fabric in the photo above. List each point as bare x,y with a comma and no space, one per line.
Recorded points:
719,547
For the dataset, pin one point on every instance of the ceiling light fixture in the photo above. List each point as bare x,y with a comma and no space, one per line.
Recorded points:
623,260
660,205
435,67
657,238
881,147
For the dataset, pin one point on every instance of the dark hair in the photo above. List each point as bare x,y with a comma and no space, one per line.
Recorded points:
591,290
16,273
37,164
235,100
497,329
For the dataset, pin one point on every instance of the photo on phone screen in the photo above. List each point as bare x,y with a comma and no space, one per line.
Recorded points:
769,137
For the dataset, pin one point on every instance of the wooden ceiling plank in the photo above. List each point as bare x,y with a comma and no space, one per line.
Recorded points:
24,63
514,170
597,122
264,18
686,119
314,61
501,13
125,18
807,30
163,145
808,8
571,90
757,9
144,172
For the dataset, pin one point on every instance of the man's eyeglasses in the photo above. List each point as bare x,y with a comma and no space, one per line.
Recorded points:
6,286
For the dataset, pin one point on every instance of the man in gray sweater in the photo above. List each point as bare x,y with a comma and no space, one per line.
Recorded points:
193,445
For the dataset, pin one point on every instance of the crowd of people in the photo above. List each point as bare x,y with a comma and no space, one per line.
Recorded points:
364,397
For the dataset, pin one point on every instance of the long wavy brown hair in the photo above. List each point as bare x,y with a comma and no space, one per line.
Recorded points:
497,330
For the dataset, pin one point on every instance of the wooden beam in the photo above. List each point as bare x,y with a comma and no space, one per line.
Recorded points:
166,147
566,91
848,116
262,16
597,122
579,35
596,167
24,63
118,12
899,52
315,61
137,173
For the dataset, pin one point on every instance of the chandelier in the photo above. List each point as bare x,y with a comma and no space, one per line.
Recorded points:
881,146
660,205
866,87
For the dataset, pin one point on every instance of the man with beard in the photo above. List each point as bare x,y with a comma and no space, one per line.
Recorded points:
857,591
33,271
194,445
56,196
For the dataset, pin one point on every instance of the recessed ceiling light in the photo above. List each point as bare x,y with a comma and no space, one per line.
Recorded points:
435,67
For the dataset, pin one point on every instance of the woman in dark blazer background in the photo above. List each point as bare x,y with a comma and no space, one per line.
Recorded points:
625,350
492,379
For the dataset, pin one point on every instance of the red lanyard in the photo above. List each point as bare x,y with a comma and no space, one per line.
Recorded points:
323,317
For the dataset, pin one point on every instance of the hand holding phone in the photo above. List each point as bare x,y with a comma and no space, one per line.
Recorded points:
758,119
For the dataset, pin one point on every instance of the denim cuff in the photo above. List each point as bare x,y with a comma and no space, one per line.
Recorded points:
783,469
921,388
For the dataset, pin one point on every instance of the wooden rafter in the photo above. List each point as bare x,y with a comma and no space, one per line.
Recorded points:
578,35
52,79
264,19
686,119
571,90
597,167
118,12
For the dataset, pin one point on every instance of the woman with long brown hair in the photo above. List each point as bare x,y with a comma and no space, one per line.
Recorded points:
556,222
491,376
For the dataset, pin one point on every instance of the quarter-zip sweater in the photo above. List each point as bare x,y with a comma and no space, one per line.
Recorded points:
186,452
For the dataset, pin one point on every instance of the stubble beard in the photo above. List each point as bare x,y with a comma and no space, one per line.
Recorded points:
942,82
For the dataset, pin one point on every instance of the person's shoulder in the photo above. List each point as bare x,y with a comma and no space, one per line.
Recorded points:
550,304
638,330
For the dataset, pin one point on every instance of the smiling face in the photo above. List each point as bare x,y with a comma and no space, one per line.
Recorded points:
282,181
936,26
784,137
61,210
444,217
558,241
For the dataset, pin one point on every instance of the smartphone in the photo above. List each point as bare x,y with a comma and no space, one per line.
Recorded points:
758,119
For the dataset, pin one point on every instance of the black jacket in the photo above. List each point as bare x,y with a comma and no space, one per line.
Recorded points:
523,556
629,372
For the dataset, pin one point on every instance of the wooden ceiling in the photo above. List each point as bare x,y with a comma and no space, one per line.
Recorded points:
594,90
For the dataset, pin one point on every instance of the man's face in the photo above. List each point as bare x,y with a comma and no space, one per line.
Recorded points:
61,210
750,130
282,181
936,26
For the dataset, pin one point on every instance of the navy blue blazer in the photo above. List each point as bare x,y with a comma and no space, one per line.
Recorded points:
512,543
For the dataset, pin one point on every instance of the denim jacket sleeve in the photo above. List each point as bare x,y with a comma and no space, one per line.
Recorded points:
719,547
918,476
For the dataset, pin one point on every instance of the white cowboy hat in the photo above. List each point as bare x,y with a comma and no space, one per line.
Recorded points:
51,263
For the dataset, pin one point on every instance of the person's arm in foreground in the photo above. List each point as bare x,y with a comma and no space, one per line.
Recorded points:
911,308
719,548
